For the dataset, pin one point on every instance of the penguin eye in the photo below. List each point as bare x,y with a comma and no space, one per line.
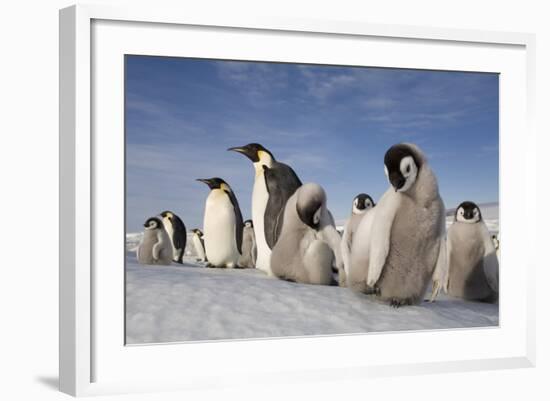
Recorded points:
408,169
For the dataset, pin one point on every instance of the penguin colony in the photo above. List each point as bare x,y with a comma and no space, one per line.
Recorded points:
392,250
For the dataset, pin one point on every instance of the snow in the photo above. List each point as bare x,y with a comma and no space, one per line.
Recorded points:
193,303
190,302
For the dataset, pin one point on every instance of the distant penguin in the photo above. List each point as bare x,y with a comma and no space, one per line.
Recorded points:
223,224
309,245
400,245
361,204
496,242
155,247
473,264
274,183
198,243
177,232
249,252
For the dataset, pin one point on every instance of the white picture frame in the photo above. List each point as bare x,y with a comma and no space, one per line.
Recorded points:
93,357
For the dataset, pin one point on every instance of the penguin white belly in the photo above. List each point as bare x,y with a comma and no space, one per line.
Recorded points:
219,230
260,197
198,247
170,231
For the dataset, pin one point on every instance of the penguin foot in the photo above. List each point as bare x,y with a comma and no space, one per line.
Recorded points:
373,291
398,302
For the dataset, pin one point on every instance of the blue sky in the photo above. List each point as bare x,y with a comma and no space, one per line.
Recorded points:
331,124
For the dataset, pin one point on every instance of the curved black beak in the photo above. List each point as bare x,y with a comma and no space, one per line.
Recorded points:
248,151
206,181
397,181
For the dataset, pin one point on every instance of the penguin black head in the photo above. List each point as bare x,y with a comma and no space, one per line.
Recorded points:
401,165
215,183
248,223
153,223
468,212
362,203
311,199
254,151
197,231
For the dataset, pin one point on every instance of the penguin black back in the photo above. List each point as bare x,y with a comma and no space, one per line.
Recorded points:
238,220
179,234
281,182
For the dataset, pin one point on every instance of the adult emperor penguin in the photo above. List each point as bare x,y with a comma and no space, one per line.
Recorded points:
309,244
400,245
361,204
473,263
155,248
223,224
177,232
198,243
274,183
249,252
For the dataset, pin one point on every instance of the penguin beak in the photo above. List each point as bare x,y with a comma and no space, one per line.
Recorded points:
397,181
206,181
247,151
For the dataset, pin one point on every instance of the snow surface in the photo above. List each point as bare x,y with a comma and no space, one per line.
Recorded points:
190,302
193,303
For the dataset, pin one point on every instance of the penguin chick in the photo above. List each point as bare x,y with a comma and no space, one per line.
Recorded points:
400,244
155,248
361,204
198,244
309,243
473,263
249,253
176,232
223,224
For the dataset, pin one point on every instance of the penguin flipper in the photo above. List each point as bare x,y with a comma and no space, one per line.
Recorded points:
381,235
441,274
180,235
329,234
281,183
239,225
345,246
157,247
156,251
440,277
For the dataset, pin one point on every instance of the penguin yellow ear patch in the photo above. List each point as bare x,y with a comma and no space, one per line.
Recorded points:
264,157
225,187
